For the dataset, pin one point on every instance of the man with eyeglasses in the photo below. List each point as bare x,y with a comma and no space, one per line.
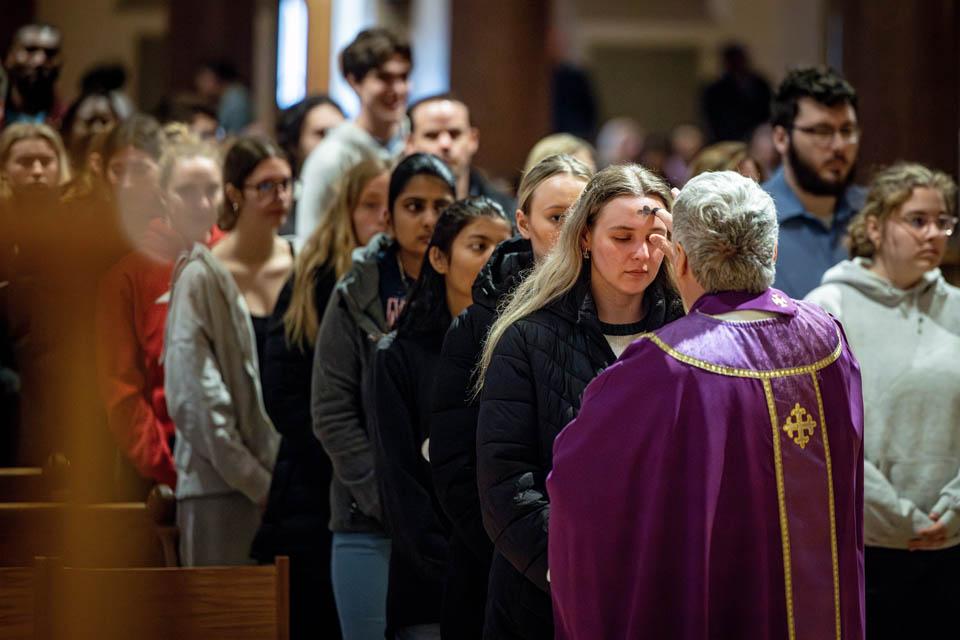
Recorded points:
33,62
815,131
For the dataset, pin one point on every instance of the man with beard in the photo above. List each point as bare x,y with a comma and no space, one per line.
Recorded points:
815,131
440,125
33,62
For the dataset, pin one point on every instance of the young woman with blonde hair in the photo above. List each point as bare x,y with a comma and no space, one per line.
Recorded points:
132,314
600,287
296,522
547,191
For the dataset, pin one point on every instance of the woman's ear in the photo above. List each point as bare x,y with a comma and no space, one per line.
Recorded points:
438,260
234,198
585,241
523,224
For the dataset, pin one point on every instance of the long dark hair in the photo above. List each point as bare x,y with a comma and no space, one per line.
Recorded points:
418,164
426,310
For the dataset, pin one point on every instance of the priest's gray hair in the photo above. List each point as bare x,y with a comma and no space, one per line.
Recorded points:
727,225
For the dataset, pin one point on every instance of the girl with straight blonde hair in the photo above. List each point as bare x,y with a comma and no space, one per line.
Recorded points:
298,510
358,213
600,287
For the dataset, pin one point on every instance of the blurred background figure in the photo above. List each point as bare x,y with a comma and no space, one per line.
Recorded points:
218,83
299,130
301,127
685,141
739,100
728,156
620,140
90,114
561,143
200,119
33,63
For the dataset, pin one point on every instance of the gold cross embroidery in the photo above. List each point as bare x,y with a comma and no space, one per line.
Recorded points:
779,300
800,426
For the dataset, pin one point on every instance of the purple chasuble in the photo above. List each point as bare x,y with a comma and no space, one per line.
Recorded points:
712,484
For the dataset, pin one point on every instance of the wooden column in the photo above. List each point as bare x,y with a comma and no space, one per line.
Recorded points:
499,66
904,60
318,46
210,29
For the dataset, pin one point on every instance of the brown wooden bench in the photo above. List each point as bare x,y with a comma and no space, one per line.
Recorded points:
120,534
16,603
202,603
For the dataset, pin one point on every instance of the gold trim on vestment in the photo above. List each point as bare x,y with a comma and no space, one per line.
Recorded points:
745,373
834,555
766,376
782,507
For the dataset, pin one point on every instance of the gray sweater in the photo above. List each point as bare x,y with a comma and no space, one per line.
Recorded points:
352,325
225,440
324,169
908,345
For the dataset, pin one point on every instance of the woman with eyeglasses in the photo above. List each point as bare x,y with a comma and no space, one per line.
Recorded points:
226,445
903,322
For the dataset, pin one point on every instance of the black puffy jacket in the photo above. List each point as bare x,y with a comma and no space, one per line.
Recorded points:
453,440
401,386
532,390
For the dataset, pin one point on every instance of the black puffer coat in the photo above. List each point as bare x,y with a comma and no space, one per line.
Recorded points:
453,440
401,384
533,389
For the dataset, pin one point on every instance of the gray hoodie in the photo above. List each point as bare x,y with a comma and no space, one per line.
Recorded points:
352,325
225,440
908,345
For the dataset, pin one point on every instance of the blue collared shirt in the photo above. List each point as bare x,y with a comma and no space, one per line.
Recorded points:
807,248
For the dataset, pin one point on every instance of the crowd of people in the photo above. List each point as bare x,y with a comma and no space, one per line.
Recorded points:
464,412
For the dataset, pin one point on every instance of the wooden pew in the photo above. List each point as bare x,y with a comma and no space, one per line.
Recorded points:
36,484
118,534
202,603
16,603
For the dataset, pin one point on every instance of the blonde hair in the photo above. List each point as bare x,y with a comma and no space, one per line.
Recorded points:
21,131
555,144
723,156
557,164
185,147
332,243
889,189
560,270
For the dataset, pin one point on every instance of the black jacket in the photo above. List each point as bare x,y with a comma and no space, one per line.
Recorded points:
453,440
536,379
298,508
296,521
401,386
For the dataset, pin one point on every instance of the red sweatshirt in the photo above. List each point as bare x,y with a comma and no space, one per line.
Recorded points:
131,318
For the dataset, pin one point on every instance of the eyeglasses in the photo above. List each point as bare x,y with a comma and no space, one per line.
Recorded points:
268,189
823,135
918,222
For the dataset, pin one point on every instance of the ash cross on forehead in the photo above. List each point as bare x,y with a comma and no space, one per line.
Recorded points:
647,210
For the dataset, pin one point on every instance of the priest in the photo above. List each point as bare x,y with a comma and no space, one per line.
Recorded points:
712,484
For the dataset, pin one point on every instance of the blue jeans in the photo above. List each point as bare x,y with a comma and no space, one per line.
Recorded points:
360,568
